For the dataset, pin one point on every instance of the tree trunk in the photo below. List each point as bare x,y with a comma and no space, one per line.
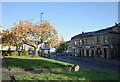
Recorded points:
10,53
41,52
37,49
18,53
36,52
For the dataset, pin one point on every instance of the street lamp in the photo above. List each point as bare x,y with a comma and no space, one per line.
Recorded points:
41,24
41,18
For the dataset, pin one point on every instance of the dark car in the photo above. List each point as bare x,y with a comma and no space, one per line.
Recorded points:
69,53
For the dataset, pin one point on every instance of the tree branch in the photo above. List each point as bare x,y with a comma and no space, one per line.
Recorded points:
28,44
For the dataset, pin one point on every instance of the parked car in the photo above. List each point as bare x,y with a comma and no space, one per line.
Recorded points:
76,54
68,53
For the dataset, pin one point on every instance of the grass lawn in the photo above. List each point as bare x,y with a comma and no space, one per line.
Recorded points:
33,62
80,75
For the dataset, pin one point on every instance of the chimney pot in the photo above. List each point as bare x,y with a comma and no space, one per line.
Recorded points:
83,32
116,23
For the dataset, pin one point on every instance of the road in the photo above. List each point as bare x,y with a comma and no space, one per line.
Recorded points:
92,63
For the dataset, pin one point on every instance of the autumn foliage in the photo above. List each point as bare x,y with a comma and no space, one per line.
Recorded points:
26,32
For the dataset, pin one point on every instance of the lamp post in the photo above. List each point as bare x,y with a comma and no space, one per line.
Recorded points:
41,44
41,17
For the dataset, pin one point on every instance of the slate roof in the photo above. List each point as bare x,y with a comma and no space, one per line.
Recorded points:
98,32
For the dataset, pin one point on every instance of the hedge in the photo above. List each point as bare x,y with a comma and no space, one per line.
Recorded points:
16,53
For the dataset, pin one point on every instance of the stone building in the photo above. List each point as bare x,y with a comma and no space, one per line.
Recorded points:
0,40
68,46
104,43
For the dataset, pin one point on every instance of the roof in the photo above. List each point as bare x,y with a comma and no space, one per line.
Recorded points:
98,32
67,41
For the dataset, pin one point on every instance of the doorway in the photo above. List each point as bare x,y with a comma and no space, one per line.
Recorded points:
98,52
83,52
87,53
105,53
80,52
92,53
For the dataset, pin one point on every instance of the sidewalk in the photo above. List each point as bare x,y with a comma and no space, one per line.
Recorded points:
90,59
5,71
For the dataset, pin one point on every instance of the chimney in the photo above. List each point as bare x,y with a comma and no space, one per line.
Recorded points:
116,23
83,32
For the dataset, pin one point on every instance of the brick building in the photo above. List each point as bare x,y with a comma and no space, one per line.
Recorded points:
104,43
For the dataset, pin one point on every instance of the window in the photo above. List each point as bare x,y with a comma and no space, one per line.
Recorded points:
80,43
98,40
74,50
104,39
83,41
87,41
75,42
92,40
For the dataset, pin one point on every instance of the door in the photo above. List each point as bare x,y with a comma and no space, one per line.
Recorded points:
99,52
80,52
87,52
105,53
92,53
83,52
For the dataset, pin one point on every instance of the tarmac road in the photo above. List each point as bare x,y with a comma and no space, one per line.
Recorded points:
92,63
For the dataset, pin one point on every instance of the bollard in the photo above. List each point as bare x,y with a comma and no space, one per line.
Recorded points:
75,68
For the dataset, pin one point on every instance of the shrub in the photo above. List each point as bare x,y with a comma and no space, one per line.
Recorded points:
15,53
24,53
31,48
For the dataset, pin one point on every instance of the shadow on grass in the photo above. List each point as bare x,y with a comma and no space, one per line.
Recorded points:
81,75
89,75
33,63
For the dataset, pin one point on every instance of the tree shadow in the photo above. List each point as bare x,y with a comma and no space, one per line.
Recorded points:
89,75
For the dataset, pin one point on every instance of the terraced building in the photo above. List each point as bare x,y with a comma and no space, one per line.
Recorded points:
104,43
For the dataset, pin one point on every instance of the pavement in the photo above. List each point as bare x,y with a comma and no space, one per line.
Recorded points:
5,71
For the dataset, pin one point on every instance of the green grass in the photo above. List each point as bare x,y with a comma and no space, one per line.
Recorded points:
33,62
81,75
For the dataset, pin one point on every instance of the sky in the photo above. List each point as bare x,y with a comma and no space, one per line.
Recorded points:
69,18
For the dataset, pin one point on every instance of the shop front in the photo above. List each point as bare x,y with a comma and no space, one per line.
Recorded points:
98,50
87,50
105,52
92,53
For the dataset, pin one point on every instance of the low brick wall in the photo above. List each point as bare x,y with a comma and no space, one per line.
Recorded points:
60,69
45,69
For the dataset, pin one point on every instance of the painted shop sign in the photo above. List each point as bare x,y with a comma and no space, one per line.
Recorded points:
87,47
98,45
